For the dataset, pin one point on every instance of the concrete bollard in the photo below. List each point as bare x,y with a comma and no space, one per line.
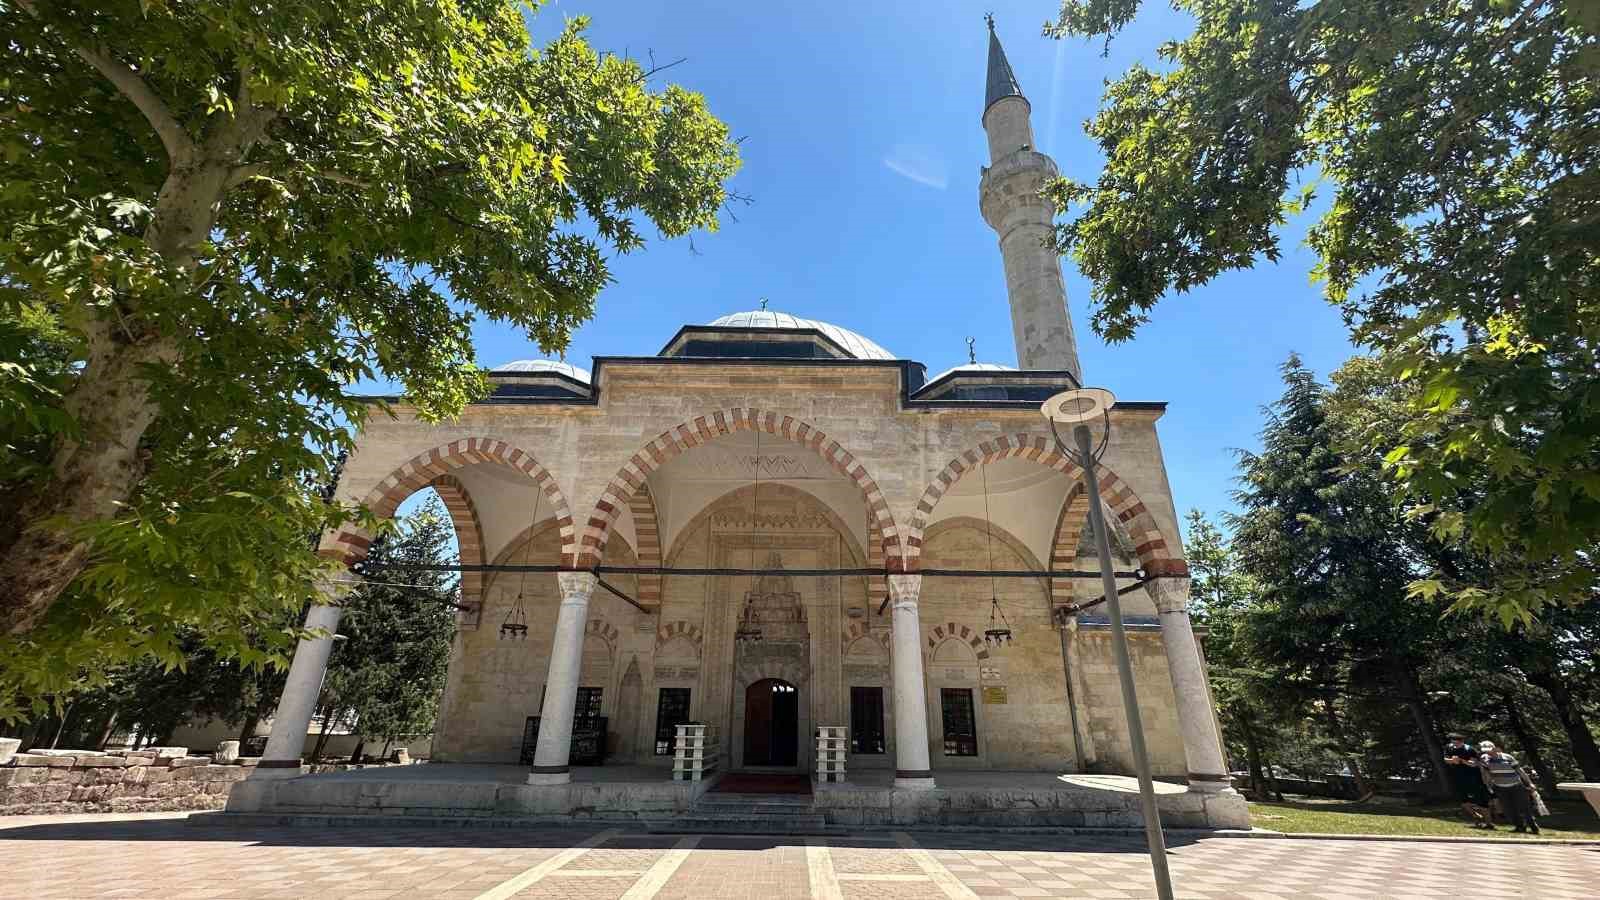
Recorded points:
8,749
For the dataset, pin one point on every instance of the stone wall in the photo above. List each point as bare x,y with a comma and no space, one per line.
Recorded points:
165,778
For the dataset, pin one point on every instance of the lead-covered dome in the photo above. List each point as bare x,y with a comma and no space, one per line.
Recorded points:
848,341
972,368
541,367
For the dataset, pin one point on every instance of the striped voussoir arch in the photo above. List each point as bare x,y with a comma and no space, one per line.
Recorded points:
647,534
704,429
686,630
1069,537
878,582
351,544
1155,554
952,631
854,630
469,533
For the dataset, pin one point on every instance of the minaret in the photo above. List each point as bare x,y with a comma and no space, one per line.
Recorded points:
1008,194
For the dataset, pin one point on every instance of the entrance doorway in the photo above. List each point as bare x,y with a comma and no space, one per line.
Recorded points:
771,723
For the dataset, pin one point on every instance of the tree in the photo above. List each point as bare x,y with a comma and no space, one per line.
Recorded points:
1220,599
217,214
386,675
1321,540
1461,238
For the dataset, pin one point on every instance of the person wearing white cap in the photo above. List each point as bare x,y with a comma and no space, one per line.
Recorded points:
1509,783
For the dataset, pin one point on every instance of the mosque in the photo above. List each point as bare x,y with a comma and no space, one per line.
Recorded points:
774,526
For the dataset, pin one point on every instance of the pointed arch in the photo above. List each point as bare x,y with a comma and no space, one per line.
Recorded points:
647,536
469,534
937,633
1150,545
704,429
351,545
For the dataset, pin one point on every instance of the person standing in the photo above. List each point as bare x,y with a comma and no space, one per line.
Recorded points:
1502,773
1470,790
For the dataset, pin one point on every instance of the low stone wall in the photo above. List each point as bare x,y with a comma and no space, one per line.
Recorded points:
165,778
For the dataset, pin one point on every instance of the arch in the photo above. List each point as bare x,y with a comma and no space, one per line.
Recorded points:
679,629
603,630
704,429
1150,545
1068,540
469,534
350,545
941,632
647,534
855,631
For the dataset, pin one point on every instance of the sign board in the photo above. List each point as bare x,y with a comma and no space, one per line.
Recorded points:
994,694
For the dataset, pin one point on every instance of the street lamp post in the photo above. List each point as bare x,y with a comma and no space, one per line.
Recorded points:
1078,408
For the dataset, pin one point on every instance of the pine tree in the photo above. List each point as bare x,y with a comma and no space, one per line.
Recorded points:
1325,546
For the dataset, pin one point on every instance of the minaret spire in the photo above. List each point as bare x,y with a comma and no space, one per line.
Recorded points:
1002,81
1009,197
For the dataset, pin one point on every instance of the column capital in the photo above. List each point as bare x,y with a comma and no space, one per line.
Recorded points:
1171,595
905,588
577,585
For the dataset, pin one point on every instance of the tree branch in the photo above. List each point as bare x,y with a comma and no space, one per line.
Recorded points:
133,86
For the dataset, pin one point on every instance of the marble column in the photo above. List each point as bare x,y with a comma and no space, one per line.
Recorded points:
911,768
554,749
298,701
1202,745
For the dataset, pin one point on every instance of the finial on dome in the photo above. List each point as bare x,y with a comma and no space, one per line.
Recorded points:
763,303
972,350
989,17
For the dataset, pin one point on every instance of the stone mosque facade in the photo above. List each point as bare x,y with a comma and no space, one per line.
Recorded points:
764,441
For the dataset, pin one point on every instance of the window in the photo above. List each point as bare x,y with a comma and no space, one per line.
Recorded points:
672,710
866,720
960,725
587,707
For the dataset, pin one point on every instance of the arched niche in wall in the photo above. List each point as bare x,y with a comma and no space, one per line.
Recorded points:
955,705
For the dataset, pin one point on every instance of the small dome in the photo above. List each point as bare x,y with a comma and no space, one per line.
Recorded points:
540,367
972,368
852,343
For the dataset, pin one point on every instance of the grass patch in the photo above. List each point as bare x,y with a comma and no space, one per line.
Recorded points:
1398,816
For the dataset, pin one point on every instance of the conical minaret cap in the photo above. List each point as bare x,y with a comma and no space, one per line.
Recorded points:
1002,81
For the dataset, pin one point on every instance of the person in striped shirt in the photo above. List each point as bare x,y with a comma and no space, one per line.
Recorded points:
1510,785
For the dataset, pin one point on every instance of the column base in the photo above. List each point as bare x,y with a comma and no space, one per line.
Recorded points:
272,770
914,782
1211,784
549,778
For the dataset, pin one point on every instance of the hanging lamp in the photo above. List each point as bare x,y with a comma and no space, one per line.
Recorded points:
515,626
999,630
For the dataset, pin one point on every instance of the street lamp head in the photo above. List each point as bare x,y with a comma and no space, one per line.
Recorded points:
1078,407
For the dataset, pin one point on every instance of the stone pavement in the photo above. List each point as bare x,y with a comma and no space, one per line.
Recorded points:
157,855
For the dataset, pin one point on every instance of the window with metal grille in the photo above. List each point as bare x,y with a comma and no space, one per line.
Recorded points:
672,710
960,724
588,705
866,720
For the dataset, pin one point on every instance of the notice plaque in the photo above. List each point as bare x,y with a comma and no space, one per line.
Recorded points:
994,694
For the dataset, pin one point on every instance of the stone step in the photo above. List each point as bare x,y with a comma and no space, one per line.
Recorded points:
693,823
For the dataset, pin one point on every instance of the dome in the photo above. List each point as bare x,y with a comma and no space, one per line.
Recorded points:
971,368
852,343
541,367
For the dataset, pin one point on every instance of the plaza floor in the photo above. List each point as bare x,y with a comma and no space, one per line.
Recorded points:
158,855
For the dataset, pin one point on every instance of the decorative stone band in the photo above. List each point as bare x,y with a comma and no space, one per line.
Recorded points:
704,429
548,770
279,764
913,773
1201,776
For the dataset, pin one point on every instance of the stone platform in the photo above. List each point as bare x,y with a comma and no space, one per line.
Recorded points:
990,799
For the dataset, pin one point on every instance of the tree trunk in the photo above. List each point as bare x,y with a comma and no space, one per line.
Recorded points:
1272,778
1530,747
65,716
110,729
322,737
248,730
41,552
1411,688
1252,753
1570,715
355,754
1364,788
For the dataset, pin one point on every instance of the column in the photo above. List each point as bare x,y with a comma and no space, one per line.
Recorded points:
1202,745
910,695
299,699
554,749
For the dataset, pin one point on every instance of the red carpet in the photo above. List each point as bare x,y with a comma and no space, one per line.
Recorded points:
762,784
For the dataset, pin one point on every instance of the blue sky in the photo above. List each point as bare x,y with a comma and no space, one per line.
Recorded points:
862,150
